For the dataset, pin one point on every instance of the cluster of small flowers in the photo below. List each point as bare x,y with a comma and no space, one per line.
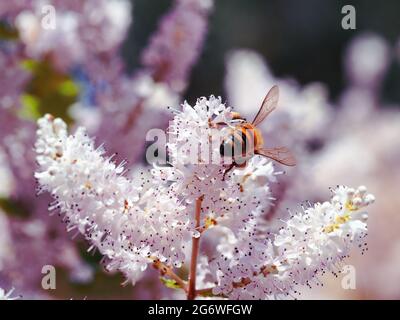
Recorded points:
309,243
68,45
82,31
130,228
134,226
96,29
15,139
197,168
176,46
37,237
13,78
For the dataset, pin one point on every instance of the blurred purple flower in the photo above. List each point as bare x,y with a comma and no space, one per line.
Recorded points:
176,46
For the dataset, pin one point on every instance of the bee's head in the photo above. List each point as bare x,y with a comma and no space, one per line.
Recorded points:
237,118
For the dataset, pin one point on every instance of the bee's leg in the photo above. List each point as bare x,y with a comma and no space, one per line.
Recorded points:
227,170
216,125
242,165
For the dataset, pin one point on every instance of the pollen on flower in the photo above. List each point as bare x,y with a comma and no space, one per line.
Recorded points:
126,206
88,185
209,222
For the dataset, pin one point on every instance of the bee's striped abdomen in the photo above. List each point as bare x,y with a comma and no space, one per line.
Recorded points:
239,144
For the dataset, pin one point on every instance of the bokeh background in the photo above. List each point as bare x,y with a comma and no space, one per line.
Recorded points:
339,112
303,40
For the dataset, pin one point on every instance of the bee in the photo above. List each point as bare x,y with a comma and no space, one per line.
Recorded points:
243,139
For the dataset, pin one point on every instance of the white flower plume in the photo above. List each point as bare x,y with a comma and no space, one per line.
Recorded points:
149,220
309,243
197,168
129,228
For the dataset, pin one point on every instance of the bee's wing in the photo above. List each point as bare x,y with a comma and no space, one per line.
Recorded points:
280,154
269,104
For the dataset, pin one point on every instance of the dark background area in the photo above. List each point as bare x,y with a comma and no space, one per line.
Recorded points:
300,39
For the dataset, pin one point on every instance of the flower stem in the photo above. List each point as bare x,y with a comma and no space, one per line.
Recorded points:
168,271
205,291
191,295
